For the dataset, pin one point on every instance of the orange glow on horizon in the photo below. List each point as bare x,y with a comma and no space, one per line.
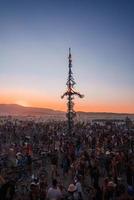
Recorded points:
61,104
35,99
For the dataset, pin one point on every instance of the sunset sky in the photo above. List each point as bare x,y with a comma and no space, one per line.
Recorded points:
35,36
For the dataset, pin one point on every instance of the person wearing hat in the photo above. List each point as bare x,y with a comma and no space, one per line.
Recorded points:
34,190
79,187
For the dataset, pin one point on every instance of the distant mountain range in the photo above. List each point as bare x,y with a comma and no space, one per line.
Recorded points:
17,110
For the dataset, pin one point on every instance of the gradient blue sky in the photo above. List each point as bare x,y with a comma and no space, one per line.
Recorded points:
34,39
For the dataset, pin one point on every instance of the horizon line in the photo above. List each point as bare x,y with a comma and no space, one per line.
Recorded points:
28,106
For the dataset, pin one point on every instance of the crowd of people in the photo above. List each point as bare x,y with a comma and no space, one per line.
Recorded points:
42,161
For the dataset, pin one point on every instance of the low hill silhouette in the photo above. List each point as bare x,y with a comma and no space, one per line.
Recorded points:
18,110
15,109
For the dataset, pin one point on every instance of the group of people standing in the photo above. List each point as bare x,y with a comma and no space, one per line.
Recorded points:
40,161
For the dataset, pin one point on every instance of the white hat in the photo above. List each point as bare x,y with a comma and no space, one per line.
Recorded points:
18,154
11,149
111,184
107,152
33,183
